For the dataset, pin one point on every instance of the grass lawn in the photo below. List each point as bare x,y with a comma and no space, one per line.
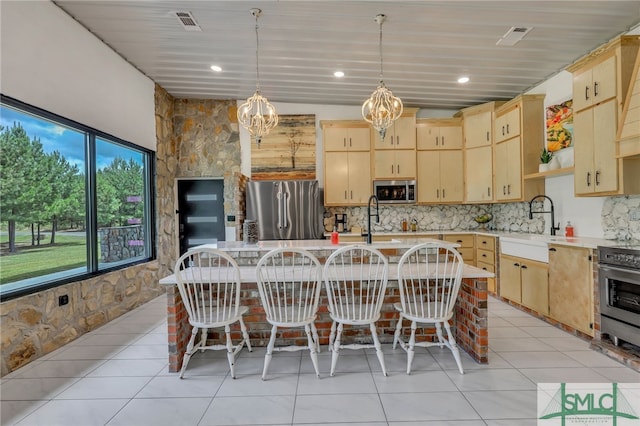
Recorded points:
68,252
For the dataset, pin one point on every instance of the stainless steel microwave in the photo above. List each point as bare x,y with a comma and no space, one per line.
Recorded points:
395,191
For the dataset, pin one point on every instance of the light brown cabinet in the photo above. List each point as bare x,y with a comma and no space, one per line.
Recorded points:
486,257
396,164
571,286
525,282
440,177
467,244
519,132
601,82
347,162
477,129
401,135
439,134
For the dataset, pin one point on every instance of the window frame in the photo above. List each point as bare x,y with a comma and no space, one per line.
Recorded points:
91,218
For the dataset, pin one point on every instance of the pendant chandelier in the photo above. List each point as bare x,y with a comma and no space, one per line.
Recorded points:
382,108
257,115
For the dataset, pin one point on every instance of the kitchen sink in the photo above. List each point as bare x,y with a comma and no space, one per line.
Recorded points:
528,248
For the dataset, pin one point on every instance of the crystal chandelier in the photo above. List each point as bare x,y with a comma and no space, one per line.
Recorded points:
382,108
257,115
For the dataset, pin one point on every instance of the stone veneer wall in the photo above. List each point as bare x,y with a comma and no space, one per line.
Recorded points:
34,325
120,243
198,138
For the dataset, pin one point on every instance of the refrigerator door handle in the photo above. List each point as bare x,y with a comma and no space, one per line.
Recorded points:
285,209
280,197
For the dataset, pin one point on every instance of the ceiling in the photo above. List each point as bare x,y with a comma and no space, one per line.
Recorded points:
427,45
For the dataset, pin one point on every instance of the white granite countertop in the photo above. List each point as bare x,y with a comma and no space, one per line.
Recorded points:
586,242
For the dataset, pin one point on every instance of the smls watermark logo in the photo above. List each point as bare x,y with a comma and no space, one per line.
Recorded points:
616,404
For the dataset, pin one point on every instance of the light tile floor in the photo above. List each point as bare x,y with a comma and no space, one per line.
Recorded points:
118,375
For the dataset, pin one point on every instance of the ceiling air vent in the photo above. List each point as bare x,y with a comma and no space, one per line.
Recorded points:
514,35
187,21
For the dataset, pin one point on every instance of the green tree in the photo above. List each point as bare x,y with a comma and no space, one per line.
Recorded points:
66,198
20,185
128,178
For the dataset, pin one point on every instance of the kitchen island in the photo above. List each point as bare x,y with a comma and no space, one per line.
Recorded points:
469,322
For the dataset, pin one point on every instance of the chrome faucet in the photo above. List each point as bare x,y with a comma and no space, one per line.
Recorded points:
372,198
553,219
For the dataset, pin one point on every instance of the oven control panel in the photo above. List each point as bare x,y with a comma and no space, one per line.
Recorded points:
625,258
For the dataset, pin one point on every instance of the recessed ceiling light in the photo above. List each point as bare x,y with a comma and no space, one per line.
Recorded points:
216,68
338,74
463,80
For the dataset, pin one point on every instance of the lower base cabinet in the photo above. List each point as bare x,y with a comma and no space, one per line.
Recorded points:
571,286
525,282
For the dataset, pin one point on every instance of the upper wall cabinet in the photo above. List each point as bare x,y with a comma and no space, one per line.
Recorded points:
395,156
477,129
601,85
440,165
347,162
439,133
401,134
346,135
519,133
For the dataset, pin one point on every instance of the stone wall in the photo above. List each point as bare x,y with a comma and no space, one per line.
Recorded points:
621,218
121,243
34,325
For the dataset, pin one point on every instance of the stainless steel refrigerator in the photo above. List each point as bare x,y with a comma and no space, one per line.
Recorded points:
286,209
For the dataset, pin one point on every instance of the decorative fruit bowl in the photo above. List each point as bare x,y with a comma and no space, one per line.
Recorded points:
483,219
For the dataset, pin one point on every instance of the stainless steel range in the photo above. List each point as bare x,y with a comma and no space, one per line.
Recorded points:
619,279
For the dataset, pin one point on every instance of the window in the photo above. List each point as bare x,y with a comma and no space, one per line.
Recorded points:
74,202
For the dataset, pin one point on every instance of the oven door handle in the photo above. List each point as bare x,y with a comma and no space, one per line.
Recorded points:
624,271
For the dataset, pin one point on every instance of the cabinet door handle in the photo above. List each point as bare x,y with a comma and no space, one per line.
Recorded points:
552,249
488,136
392,169
484,242
349,142
595,89
345,194
507,128
484,255
436,140
588,178
344,142
586,93
524,266
397,140
459,241
437,193
509,189
488,191
398,168
516,265
352,194
598,178
504,190
442,141
502,130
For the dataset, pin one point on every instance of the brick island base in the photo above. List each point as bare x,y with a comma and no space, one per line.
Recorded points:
469,322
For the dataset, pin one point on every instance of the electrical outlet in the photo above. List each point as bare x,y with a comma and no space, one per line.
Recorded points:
231,218
63,300
635,215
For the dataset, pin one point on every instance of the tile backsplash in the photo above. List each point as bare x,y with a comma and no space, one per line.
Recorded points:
620,217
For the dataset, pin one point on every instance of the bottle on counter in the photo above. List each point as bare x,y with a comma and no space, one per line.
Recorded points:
335,238
568,230
414,225
405,225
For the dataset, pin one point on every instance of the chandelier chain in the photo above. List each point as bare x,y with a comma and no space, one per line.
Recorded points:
257,55
380,45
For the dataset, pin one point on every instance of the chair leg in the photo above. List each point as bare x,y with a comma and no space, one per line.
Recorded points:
376,343
267,356
314,332
454,347
245,335
189,351
230,351
203,339
439,333
336,349
332,335
312,349
411,348
396,335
